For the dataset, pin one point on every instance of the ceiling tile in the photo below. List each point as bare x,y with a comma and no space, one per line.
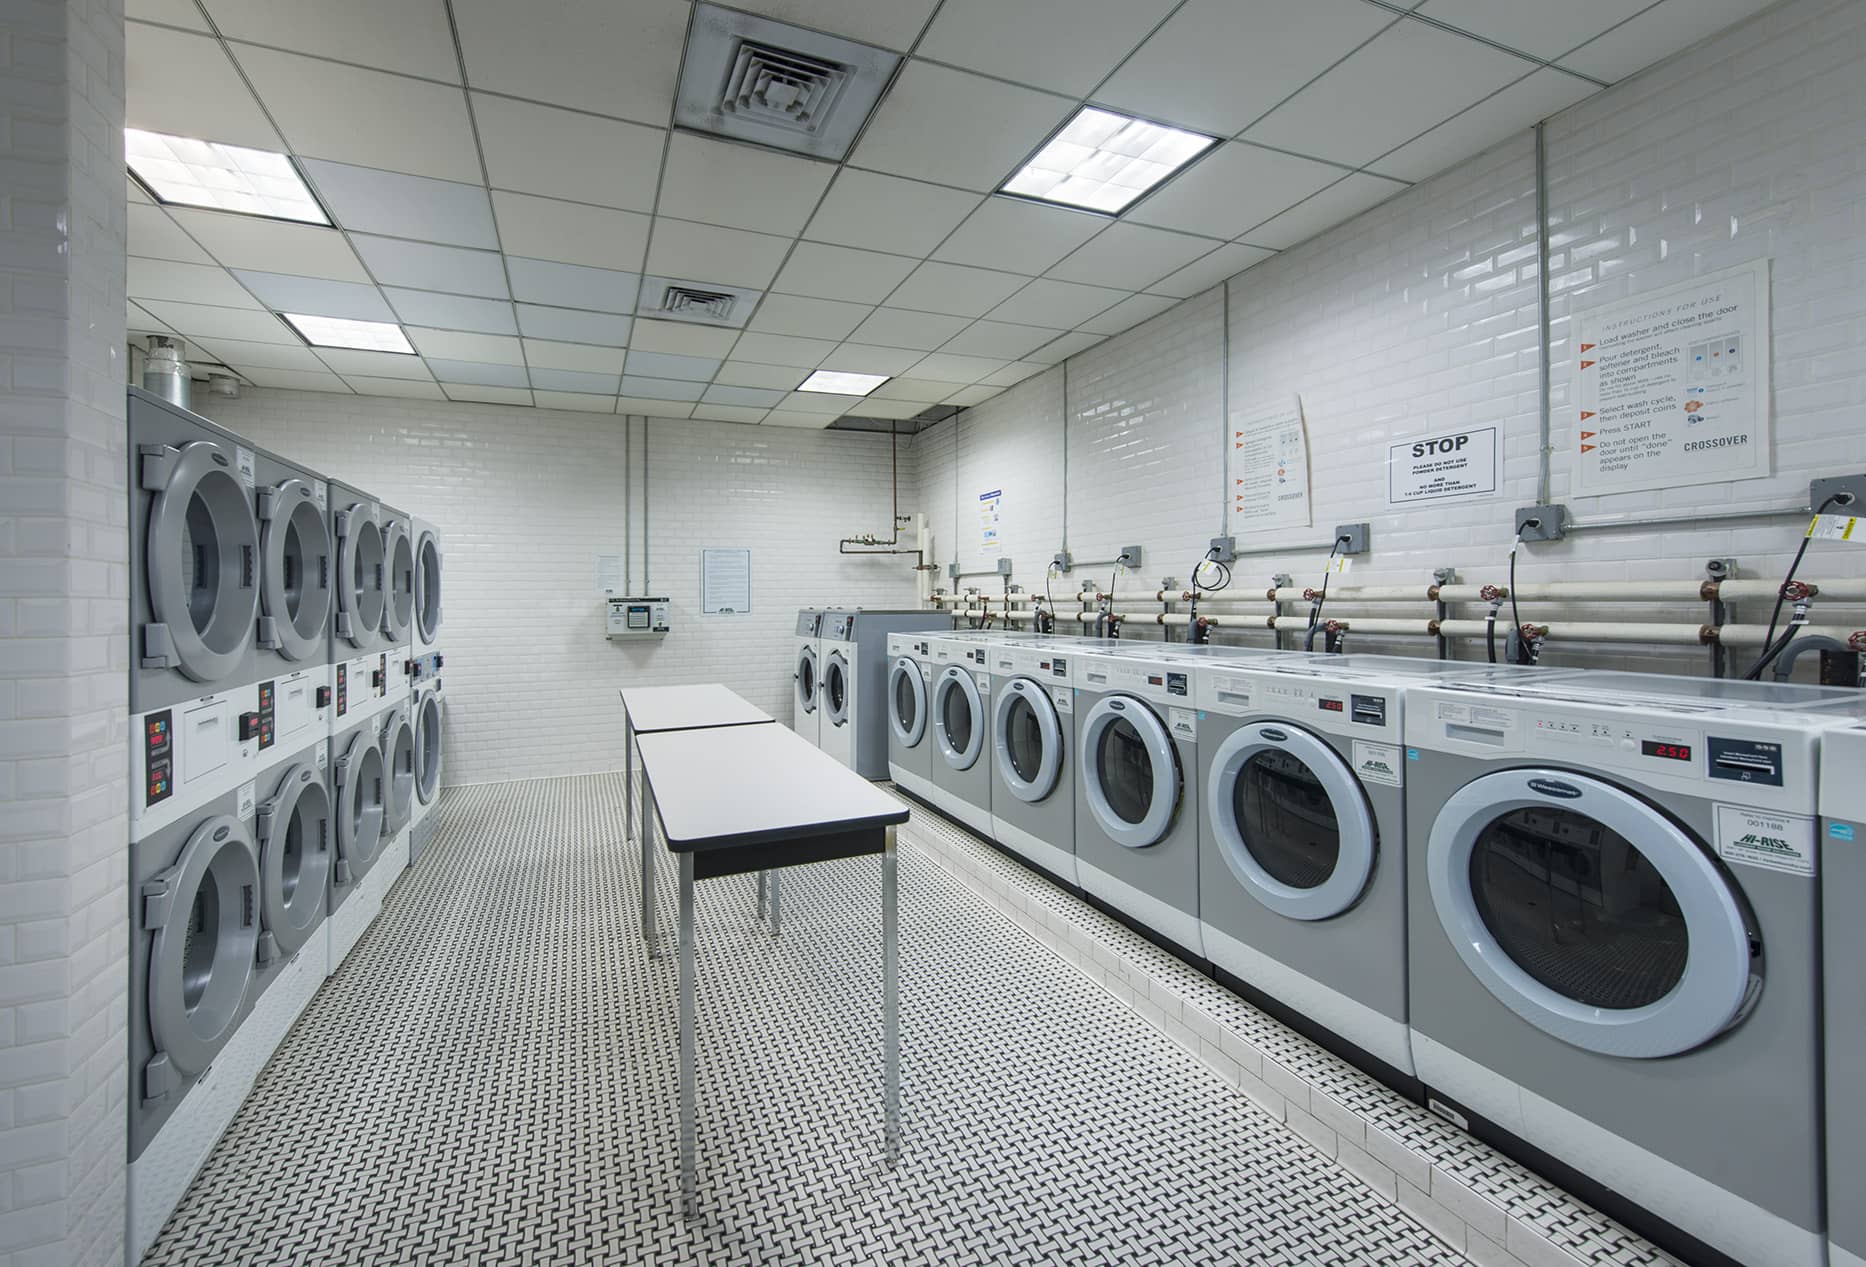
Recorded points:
654,408
154,236
134,192
185,283
262,356
315,297
580,402
705,253
570,232
368,201
748,397
743,186
299,380
841,272
1203,274
683,338
813,318
955,289
1218,64
1516,109
186,85
423,388
452,312
778,378
1235,187
479,373
829,403
1018,236
1534,26
886,213
423,266
867,358
956,128
896,409
1131,257
892,24
727,413
1014,373
661,388
572,285
615,57
329,110
409,36
575,381
1408,79
1129,312
919,391
353,363
586,159
999,339
946,367
1065,347
1339,202
691,369
141,320
571,326
791,418
456,345
273,246
199,321
1657,33
1058,304
782,349
486,395
966,397
542,354
899,328
1066,46
167,12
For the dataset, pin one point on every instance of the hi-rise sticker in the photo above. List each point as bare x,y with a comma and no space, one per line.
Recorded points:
1761,838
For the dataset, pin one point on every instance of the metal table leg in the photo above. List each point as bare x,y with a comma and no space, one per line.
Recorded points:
761,893
776,886
628,770
890,1000
649,931
688,1164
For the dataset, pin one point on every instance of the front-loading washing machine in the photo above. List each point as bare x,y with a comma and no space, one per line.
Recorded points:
1137,781
1843,1014
1614,928
427,596
852,697
428,706
1031,747
359,790
960,712
806,674
910,728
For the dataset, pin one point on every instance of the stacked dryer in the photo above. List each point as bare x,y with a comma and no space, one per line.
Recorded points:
427,701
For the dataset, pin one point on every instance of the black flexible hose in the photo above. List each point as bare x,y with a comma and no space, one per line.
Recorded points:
1490,634
1769,654
1769,650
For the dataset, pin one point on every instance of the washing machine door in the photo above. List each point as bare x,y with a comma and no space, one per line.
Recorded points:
837,688
1027,738
427,588
203,915
294,859
958,717
360,813
294,570
1291,820
398,760
1591,914
201,561
805,681
1129,771
430,717
398,609
360,592
907,706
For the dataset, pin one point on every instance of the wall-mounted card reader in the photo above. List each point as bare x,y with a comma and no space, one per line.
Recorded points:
636,617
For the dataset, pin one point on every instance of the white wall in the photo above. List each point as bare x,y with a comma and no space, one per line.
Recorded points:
526,499
1422,315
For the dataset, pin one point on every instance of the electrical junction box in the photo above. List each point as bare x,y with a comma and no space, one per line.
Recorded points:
636,617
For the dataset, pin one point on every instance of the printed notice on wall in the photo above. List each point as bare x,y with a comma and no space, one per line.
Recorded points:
608,574
1673,387
1270,468
1444,467
990,512
725,582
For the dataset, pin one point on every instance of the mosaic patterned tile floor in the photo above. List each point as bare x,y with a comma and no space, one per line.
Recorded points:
491,1079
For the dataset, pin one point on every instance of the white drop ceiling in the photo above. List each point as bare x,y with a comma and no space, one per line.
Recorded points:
502,175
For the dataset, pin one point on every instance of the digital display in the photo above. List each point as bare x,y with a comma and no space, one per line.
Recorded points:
1670,751
1330,705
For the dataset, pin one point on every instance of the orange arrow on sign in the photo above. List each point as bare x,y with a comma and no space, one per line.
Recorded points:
1588,347
1586,414
1589,448
1587,365
1589,435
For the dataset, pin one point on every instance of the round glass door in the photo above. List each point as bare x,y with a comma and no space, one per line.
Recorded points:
958,717
907,702
201,958
1028,740
427,588
1591,914
295,571
836,689
1290,821
360,810
201,561
1129,771
806,680
294,856
428,746
360,596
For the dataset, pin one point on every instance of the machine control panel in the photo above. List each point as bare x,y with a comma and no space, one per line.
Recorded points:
1745,761
268,714
159,756
343,689
643,617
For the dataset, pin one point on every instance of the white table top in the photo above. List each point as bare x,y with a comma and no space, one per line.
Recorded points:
654,709
746,785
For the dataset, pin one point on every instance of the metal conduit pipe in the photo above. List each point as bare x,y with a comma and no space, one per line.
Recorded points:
1844,590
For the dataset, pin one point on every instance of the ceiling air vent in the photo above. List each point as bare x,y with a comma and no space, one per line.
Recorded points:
754,79
702,303
690,301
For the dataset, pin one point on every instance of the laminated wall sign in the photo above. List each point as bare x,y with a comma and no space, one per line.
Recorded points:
1269,468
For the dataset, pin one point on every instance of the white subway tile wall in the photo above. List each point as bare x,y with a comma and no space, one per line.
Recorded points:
1421,316
64,763
528,499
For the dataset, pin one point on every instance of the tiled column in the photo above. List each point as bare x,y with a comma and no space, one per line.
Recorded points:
63,584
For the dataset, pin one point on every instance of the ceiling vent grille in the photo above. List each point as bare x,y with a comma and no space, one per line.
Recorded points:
781,89
699,302
690,302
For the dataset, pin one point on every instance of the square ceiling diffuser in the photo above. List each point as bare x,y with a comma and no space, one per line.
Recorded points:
756,80
702,303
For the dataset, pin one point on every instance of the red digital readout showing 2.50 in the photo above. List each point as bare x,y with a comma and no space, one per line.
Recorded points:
1670,751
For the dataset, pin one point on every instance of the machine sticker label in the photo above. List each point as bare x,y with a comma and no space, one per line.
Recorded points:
247,799
1412,754
1184,722
1840,831
983,680
1377,762
322,490
1763,838
243,457
1065,699
1452,712
323,753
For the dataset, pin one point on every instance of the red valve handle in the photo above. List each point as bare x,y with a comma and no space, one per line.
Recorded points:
1490,593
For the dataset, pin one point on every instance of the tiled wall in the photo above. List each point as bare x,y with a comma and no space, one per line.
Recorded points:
1421,315
527,499
63,682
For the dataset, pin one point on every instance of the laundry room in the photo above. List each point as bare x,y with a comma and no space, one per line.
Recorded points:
839,631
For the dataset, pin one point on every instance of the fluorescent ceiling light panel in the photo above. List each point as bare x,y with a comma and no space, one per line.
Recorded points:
1103,161
842,383
342,332
178,169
